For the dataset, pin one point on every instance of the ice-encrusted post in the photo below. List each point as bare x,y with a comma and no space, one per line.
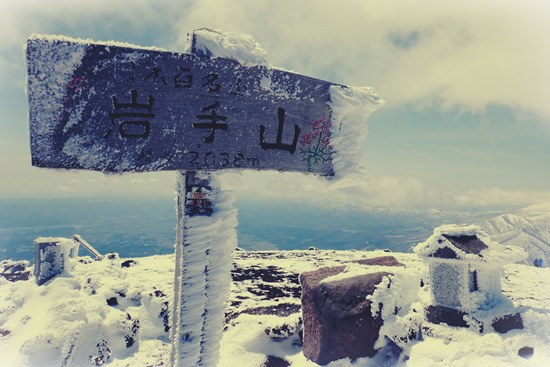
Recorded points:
206,237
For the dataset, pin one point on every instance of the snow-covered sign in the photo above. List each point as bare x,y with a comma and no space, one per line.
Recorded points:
115,107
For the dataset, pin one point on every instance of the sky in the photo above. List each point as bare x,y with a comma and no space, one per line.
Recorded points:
465,124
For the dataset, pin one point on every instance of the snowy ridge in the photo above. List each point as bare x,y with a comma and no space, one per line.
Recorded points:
529,229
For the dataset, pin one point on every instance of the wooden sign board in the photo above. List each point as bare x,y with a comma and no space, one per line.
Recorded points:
115,109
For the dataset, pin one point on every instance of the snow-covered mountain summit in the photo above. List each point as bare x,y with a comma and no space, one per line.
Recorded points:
114,312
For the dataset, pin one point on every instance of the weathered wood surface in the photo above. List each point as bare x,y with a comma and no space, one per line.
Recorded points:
115,109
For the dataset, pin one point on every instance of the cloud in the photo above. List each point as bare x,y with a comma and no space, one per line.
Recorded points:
499,197
466,54
370,192
356,191
21,180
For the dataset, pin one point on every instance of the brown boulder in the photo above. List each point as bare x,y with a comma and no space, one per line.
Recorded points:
338,321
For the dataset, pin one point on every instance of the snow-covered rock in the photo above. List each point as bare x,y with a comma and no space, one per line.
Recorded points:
339,318
14,270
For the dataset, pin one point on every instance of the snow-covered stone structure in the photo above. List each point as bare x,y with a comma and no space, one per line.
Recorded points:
52,256
465,267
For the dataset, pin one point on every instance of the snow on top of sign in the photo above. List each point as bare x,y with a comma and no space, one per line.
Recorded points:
351,106
242,48
277,89
494,252
87,41
235,46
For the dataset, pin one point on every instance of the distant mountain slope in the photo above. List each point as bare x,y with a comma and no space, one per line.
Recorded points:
529,228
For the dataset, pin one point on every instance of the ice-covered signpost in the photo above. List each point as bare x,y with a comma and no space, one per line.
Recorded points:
115,107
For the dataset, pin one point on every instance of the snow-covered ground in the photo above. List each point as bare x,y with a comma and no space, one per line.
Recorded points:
115,312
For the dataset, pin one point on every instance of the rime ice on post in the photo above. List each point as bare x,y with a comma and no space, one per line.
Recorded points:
206,238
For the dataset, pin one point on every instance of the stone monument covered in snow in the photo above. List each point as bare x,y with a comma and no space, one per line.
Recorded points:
465,268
